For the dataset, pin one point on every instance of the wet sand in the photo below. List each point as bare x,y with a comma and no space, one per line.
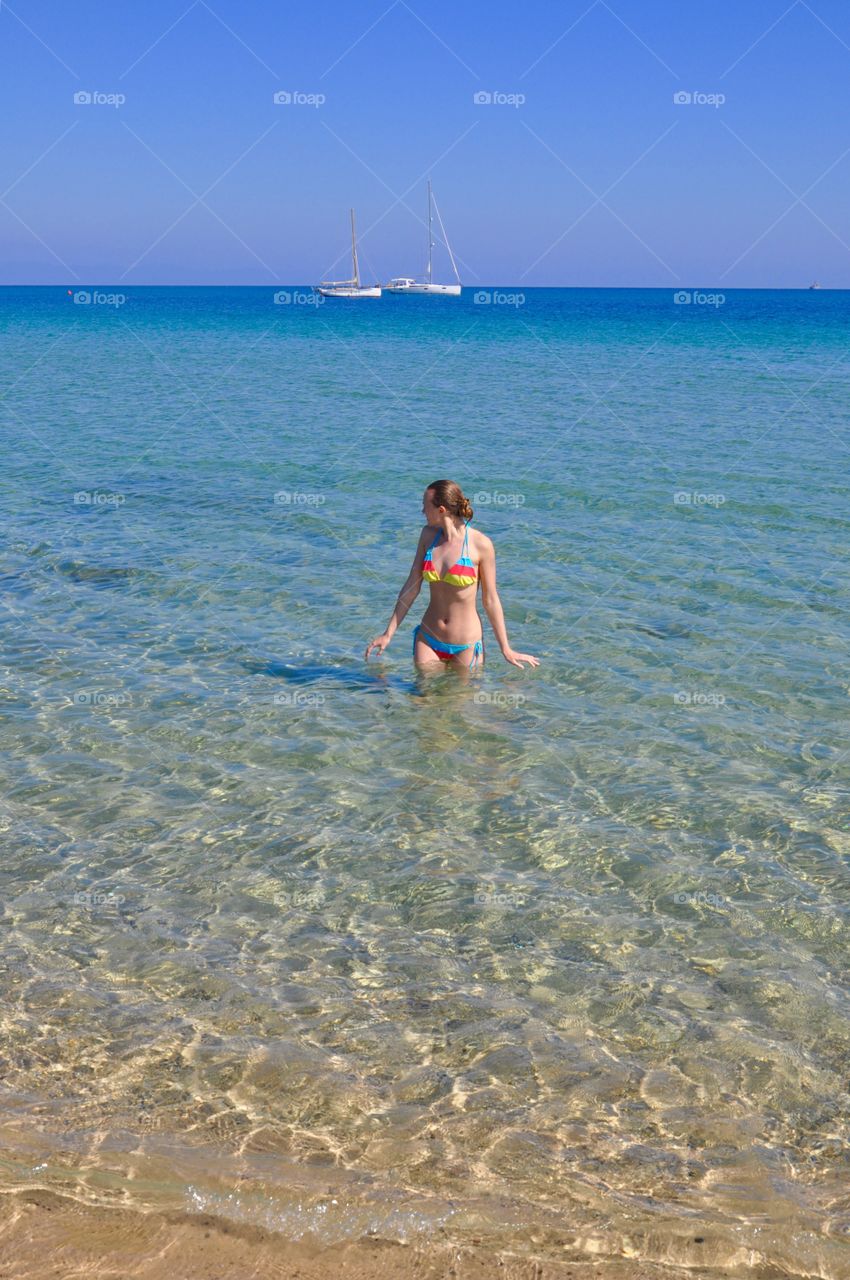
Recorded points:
44,1236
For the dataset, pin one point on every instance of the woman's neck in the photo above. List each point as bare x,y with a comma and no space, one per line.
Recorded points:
452,529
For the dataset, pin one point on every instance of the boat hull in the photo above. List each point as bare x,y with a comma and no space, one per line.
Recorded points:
446,290
348,292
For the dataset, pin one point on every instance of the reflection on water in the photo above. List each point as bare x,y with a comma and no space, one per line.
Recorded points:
554,958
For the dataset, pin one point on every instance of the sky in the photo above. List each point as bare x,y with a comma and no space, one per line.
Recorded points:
638,143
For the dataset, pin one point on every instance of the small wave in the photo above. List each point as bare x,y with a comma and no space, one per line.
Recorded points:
330,1220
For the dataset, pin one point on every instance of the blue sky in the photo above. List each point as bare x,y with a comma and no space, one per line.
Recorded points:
597,178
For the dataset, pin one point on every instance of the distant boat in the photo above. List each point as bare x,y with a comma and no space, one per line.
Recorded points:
405,284
349,288
816,285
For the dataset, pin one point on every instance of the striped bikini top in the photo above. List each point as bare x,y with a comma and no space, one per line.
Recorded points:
461,574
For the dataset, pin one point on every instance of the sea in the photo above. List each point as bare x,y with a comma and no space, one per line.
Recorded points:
555,959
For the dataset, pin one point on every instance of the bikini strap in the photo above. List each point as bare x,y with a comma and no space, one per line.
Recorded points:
465,539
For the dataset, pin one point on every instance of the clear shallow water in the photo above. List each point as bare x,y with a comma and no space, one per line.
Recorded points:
557,959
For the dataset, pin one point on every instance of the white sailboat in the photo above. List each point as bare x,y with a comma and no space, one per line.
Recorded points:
349,288
405,284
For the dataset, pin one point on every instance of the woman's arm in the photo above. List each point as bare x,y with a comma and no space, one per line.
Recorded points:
493,605
408,593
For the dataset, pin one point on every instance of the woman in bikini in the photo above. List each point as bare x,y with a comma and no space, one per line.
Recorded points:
453,564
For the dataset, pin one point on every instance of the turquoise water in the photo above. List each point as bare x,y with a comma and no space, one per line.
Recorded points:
556,959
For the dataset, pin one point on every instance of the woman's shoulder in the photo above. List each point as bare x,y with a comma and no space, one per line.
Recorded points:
479,540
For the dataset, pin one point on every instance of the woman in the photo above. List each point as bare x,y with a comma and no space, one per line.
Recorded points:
453,561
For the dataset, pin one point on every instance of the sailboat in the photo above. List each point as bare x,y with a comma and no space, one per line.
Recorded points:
404,284
349,288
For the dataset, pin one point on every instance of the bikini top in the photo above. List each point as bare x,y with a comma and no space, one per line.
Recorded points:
461,574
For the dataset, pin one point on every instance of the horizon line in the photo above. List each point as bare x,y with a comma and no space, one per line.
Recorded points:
752,288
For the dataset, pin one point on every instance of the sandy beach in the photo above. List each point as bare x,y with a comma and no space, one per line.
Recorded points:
43,1236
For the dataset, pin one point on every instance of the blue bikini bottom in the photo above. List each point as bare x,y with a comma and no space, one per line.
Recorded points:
446,651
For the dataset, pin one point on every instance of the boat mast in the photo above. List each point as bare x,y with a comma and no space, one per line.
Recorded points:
354,253
430,237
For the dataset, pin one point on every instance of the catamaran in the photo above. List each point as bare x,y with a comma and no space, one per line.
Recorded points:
349,288
405,284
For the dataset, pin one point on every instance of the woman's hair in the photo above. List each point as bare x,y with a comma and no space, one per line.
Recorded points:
450,495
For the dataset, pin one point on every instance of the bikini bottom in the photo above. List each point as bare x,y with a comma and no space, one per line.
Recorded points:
445,651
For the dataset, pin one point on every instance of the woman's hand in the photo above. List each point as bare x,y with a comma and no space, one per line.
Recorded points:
379,644
517,659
